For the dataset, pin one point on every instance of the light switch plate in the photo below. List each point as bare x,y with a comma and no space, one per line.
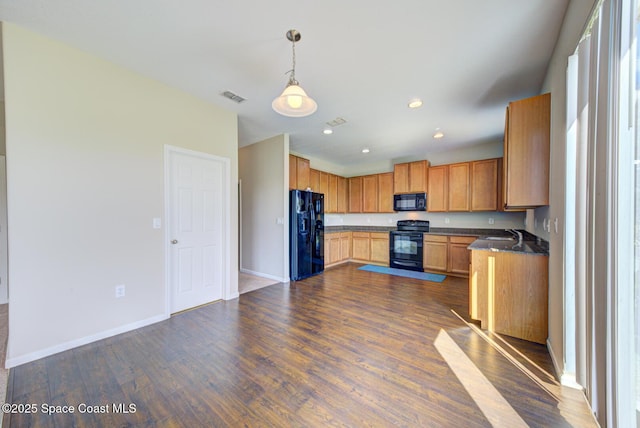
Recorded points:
157,223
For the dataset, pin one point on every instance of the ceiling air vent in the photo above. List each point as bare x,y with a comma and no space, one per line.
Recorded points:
233,97
337,121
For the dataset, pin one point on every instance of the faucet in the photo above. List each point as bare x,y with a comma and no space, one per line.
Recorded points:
517,234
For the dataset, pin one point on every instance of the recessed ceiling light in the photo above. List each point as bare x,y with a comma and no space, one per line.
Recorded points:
438,134
327,131
365,150
415,103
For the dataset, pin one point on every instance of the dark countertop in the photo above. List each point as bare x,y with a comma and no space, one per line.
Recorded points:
334,229
530,244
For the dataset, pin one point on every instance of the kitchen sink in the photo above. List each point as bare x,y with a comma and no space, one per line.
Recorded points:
498,238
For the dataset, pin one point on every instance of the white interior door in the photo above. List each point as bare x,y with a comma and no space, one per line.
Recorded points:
197,260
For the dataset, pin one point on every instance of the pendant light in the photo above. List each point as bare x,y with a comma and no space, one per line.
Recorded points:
294,101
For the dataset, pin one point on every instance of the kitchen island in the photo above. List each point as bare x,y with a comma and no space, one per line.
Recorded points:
508,285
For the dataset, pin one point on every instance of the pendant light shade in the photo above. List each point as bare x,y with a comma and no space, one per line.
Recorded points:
294,101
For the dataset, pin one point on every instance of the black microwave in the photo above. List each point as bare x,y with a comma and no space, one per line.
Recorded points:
410,202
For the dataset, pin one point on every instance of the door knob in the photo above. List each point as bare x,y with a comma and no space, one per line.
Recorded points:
175,241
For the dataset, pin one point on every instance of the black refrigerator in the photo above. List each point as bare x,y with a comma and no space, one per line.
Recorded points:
306,234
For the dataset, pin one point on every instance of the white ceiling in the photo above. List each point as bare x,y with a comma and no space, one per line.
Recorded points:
361,60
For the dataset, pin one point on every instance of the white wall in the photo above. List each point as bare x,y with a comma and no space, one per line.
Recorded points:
555,82
265,189
85,142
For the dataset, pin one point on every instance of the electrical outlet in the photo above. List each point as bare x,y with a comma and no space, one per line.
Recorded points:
491,221
119,291
446,220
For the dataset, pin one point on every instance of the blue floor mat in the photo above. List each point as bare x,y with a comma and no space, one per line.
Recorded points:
403,272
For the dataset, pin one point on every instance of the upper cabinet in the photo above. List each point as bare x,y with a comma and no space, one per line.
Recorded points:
464,186
459,187
484,185
526,153
410,177
385,192
299,173
438,188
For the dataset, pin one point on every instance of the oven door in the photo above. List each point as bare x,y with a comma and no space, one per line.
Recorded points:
405,250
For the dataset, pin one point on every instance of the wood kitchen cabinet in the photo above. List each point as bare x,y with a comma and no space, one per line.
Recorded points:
435,252
332,193
437,193
360,246
324,189
464,186
337,248
299,173
370,193
526,153
508,293
355,194
447,254
410,177
459,255
484,185
343,195
459,195
379,244
370,247
385,192
314,178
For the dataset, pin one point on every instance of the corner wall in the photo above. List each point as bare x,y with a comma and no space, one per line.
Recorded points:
85,141
264,176
555,82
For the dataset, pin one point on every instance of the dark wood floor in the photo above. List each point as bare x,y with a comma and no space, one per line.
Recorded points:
347,348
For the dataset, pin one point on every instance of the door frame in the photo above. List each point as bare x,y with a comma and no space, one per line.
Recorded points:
226,239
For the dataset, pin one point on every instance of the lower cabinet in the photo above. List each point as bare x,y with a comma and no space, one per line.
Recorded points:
508,293
443,253
363,247
379,244
360,246
337,248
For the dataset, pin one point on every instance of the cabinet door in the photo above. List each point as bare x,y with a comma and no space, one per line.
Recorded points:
360,246
343,195
293,172
380,248
303,171
385,193
459,197
314,176
526,152
370,193
345,245
437,189
418,176
484,185
333,193
324,188
435,252
401,178
327,249
355,194
459,256
334,244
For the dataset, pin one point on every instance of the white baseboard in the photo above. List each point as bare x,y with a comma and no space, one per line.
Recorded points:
33,356
566,379
232,296
264,275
